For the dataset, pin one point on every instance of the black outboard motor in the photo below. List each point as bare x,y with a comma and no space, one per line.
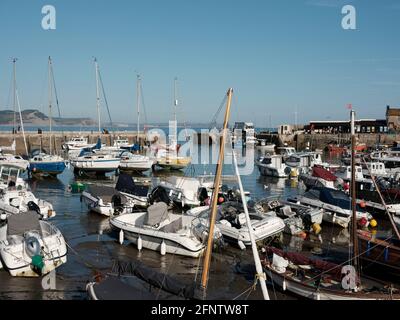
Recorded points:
203,195
159,194
33,207
117,203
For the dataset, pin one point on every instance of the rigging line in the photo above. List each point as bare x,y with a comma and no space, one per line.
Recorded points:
57,101
105,101
55,91
215,116
143,104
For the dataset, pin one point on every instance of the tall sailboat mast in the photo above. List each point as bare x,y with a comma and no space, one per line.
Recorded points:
50,102
353,192
138,105
97,93
217,182
18,104
14,96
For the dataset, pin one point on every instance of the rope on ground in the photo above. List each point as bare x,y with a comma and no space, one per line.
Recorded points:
82,259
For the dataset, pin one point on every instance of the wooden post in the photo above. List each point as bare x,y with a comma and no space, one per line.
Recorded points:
217,181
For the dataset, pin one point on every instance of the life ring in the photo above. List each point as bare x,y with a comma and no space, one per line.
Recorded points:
32,246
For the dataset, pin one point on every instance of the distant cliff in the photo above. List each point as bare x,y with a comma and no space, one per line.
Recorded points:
35,117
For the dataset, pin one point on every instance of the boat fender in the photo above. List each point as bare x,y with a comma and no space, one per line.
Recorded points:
284,284
3,216
316,228
163,249
37,264
32,246
373,223
241,245
139,243
121,236
368,248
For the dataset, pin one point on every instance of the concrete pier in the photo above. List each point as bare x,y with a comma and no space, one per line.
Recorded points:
36,141
321,141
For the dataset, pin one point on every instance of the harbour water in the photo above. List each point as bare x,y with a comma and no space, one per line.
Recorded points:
93,249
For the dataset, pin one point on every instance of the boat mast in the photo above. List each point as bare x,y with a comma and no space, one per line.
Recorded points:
14,98
97,93
175,97
353,192
260,272
138,105
50,101
18,104
217,181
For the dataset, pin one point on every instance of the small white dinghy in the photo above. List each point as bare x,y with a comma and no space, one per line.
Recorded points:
30,247
106,200
159,230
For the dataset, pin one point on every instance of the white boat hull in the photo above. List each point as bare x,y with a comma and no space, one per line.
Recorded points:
18,263
270,171
185,244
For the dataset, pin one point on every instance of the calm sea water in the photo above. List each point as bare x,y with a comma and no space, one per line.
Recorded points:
93,249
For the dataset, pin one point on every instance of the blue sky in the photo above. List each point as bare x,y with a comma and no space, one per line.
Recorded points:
278,55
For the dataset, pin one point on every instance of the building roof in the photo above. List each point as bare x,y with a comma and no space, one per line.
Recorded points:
393,112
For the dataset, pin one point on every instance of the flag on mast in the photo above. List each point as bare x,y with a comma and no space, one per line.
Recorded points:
349,106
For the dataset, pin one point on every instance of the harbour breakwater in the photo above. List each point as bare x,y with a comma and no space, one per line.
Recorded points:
299,141
321,141
42,141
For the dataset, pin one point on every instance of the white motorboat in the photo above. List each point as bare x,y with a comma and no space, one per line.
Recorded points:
30,247
135,162
107,201
14,200
89,162
304,160
336,205
159,230
232,223
186,191
272,166
77,143
297,218
10,178
15,161
391,159
286,152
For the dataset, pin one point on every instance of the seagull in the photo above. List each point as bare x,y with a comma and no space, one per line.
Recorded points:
265,186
